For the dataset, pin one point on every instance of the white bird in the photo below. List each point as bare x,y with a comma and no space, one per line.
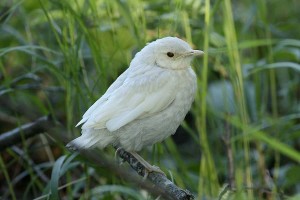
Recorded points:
146,103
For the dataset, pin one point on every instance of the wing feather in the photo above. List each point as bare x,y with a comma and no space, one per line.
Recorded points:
115,85
137,97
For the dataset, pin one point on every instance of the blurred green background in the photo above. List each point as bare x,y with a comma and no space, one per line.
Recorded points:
57,57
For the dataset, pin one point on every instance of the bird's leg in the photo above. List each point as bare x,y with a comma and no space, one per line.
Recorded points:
148,167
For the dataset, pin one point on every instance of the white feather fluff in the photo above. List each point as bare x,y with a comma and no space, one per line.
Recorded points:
147,102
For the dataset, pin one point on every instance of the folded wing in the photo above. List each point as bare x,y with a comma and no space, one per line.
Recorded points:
136,98
120,80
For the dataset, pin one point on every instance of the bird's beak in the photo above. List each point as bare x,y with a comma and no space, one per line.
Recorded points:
192,53
197,53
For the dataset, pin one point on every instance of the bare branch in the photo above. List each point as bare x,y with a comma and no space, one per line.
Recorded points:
14,136
156,178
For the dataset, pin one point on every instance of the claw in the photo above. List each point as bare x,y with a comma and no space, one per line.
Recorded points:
148,168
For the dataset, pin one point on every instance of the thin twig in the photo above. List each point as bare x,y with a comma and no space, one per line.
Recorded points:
226,138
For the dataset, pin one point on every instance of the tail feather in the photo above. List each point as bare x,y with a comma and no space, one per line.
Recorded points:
91,140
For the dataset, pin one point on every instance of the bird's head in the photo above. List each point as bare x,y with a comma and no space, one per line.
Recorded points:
168,52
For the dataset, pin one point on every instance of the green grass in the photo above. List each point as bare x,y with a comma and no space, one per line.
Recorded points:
58,57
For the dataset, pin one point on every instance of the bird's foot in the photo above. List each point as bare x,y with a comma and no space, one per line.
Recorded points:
152,168
148,167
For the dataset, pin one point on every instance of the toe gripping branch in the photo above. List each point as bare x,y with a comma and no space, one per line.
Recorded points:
132,161
157,178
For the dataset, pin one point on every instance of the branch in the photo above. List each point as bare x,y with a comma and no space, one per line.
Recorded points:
101,160
156,178
156,183
15,136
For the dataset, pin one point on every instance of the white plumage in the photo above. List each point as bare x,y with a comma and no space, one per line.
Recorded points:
147,102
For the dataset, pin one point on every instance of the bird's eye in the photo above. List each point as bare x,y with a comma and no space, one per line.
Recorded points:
170,54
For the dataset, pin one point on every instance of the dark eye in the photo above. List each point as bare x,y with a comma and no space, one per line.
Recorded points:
170,54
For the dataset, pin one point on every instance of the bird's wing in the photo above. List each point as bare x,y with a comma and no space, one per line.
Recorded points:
115,85
138,97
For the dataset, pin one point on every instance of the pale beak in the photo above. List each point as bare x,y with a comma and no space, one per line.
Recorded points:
191,53
197,53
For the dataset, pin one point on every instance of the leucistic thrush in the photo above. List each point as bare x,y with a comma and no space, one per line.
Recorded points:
146,103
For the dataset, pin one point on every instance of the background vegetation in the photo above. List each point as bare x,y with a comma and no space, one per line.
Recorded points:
57,57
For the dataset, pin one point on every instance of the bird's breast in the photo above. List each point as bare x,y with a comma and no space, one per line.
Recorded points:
186,87
159,125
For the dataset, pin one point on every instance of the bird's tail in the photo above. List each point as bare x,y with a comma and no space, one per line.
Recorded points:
91,139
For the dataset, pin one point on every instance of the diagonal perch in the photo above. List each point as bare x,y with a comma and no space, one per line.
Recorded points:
158,179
